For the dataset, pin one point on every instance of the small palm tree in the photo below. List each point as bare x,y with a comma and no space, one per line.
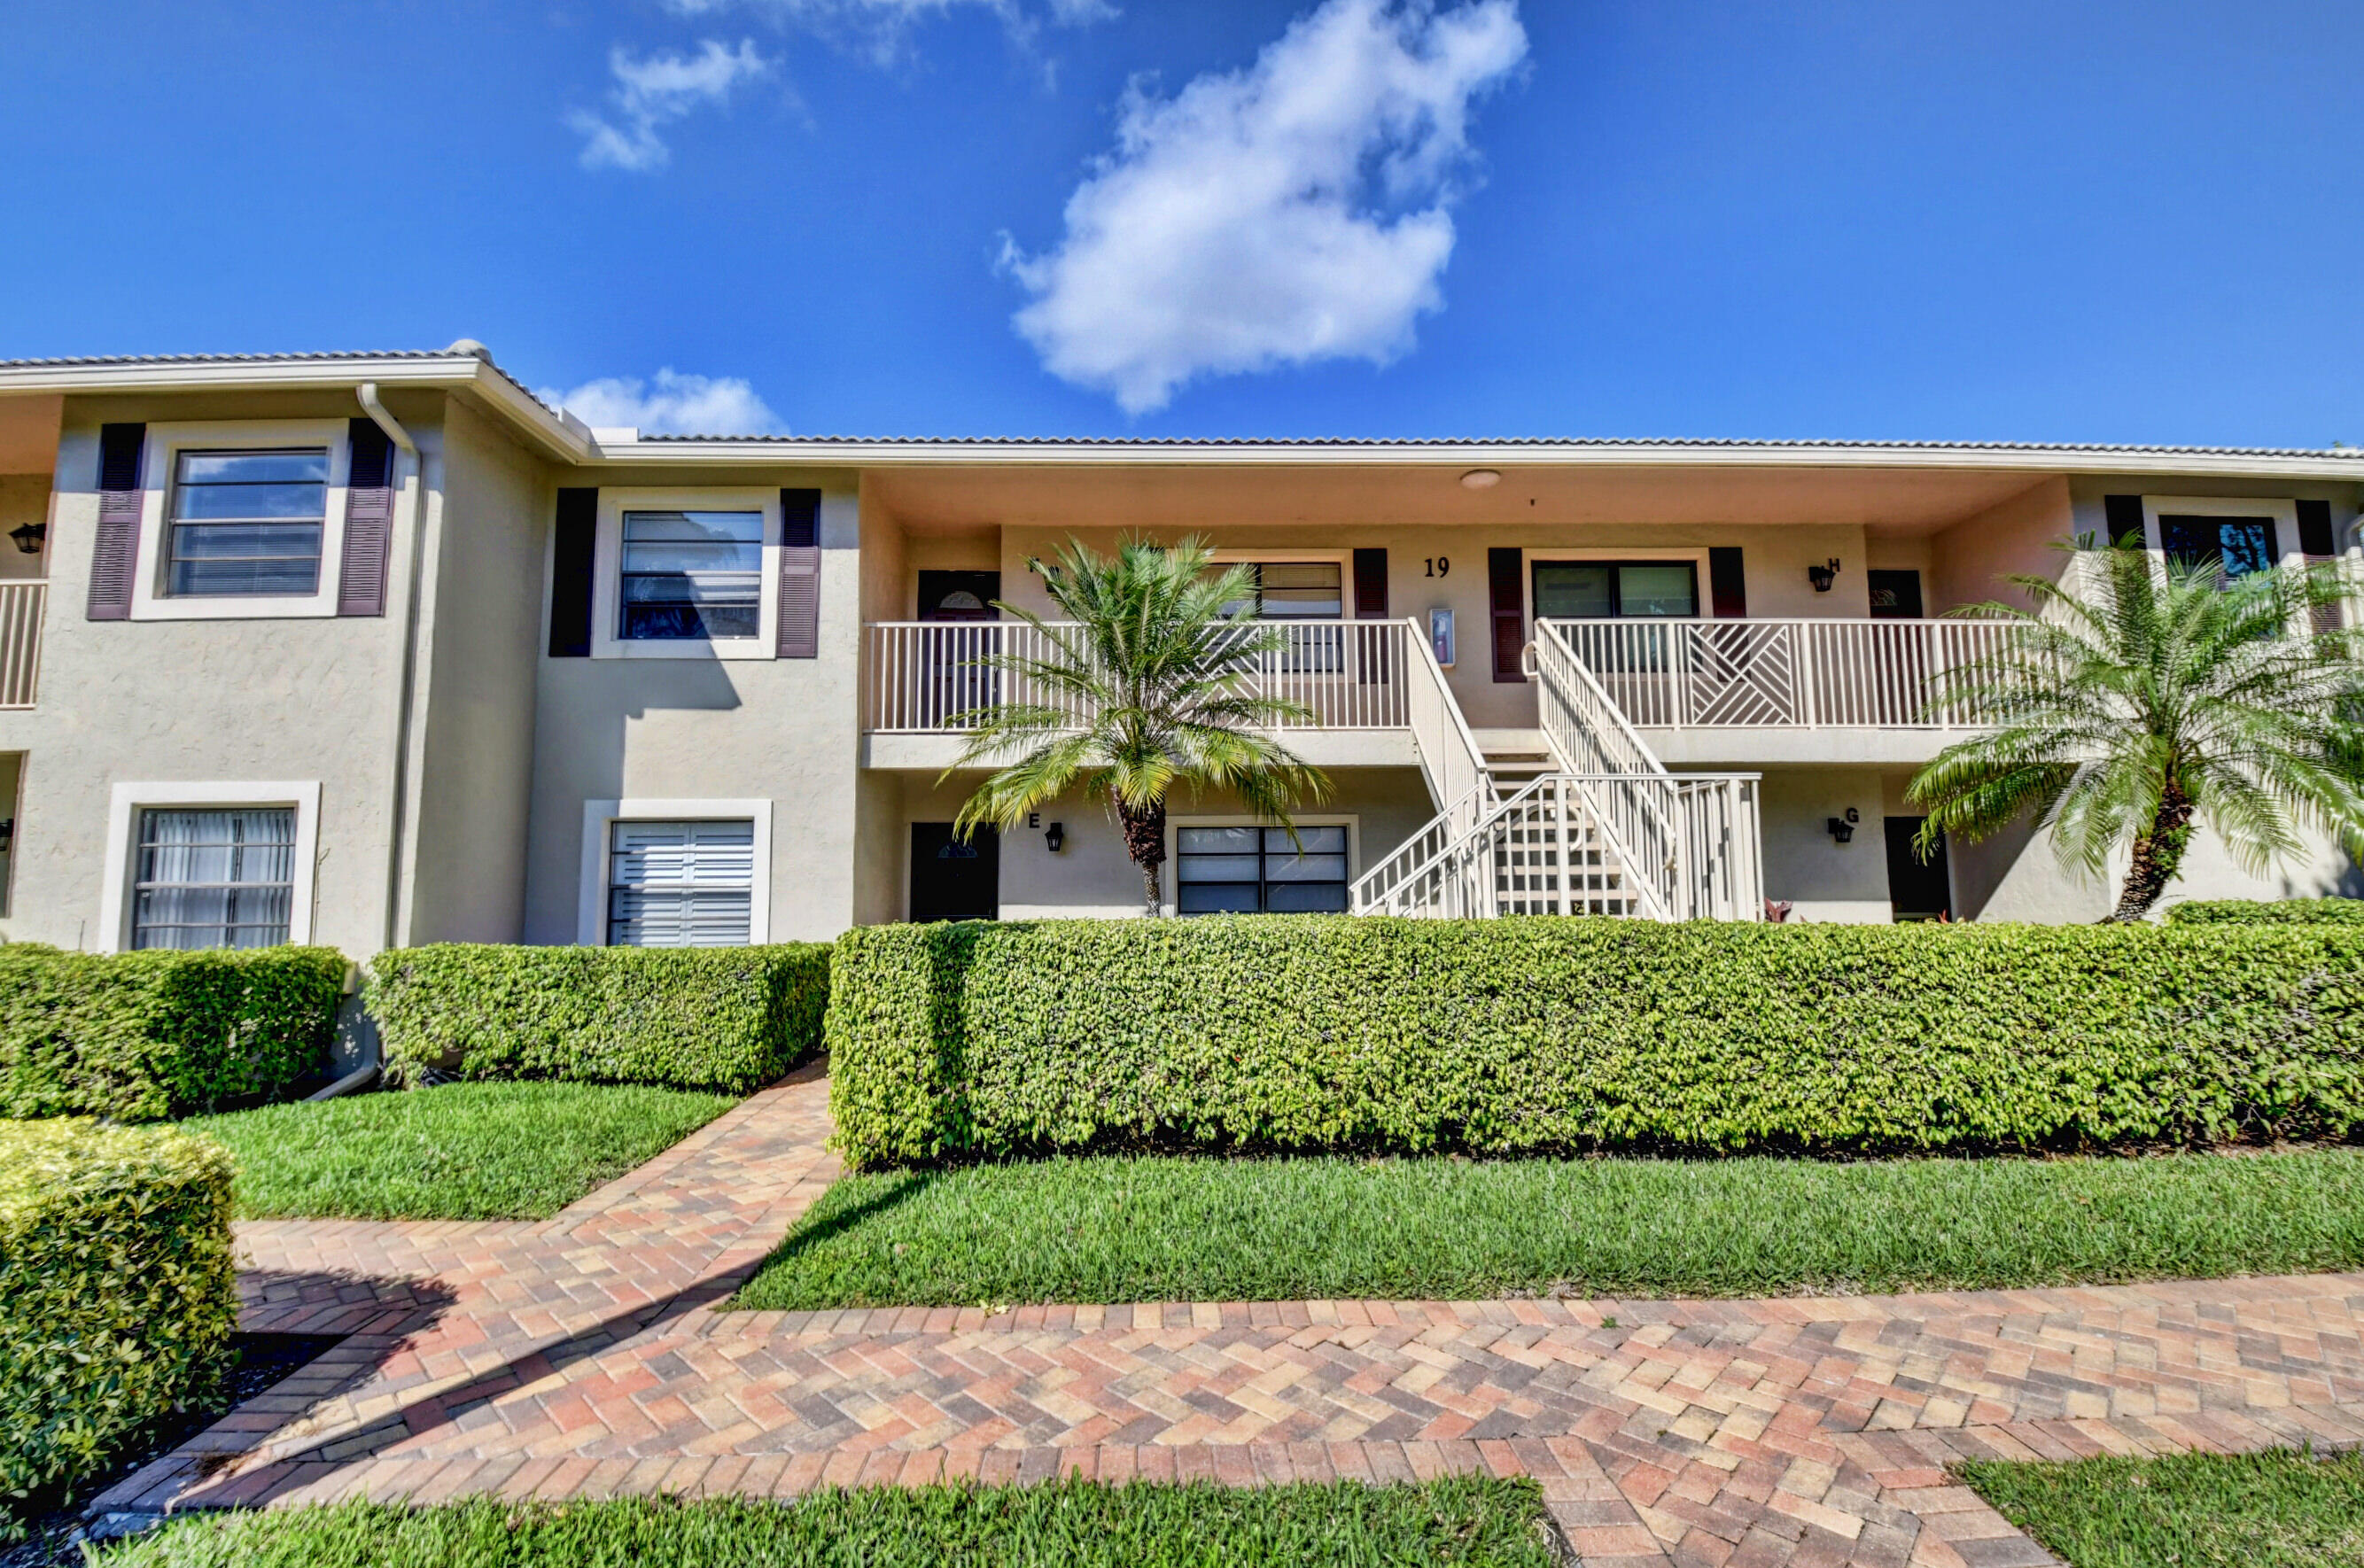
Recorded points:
2140,697
1151,689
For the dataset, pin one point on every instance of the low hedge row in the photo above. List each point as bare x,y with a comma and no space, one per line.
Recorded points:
722,1018
117,1291
1296,1033
145,1035
2256,912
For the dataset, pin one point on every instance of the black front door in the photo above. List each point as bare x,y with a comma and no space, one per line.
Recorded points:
1895,596
1915,892
954,881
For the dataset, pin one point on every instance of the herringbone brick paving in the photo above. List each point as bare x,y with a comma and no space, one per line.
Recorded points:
584,1356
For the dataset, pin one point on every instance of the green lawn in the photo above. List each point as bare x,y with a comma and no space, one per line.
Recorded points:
462,1151
1176,1229
1460,1520
2199,1510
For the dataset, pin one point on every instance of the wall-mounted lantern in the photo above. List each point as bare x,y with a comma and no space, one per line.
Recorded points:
1055,835
29,537
1842,828
1822,576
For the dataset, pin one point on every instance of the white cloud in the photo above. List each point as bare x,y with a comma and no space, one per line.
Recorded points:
652,93
1294,211
882,28
670,404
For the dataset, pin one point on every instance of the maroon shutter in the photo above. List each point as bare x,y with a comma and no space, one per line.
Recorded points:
1370,584
572,568
1503,570
115,554
369,521
799,574
1727,582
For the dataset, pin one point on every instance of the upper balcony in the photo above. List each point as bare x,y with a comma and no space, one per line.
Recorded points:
1742,690
1373,692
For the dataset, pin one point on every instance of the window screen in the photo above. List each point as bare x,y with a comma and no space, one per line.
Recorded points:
691,575
214,878
1256,869
680,884
246,523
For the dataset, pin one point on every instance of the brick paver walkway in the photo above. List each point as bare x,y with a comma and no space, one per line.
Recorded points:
583,1356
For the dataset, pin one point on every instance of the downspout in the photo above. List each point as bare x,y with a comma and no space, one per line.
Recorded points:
413,550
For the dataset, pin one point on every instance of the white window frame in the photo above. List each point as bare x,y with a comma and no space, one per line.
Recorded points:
607,592
161,457
1640,553
126,801
599,817
2283,515
1173,826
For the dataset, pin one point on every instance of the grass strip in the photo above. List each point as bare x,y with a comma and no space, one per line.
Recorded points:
1466,1521
1160,1228
460,1151
2279,1510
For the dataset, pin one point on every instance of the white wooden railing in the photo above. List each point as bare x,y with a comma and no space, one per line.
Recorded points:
1547,849
1449,758
923,676
1791,674
20,641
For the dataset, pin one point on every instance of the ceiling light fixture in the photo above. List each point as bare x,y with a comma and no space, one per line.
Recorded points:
1480,479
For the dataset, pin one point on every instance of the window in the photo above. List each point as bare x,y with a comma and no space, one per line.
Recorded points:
246,523
2242,545
1591,590
681,884
691,575
214,878
1256,869
1292,590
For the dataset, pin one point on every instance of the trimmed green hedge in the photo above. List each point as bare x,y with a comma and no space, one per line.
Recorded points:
2259,911
144,1035
117,1291
1528,1035
723,1019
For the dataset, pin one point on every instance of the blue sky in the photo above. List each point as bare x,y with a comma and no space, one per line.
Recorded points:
2016,220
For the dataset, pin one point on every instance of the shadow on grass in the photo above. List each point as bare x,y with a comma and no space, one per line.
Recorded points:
892,1192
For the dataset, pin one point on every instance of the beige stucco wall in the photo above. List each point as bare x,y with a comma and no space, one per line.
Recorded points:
476,681
182,701
1825,880
784,730
24,498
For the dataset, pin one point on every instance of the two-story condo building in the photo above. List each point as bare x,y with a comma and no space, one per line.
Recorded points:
377,650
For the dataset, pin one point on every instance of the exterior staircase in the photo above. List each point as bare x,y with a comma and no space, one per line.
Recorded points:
1577,817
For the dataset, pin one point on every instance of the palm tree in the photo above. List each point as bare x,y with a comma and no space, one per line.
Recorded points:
2140,698
1150,689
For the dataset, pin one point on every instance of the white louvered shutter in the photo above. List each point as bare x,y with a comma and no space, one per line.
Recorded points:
680,884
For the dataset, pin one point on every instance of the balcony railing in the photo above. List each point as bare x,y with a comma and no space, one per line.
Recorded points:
1788,674
20,641
924,675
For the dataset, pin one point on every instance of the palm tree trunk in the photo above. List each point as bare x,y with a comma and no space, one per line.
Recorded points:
2159,855
1144,840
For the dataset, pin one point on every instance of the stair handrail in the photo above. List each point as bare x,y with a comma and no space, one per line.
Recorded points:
1448,752
1615,739
1419,864
1584,724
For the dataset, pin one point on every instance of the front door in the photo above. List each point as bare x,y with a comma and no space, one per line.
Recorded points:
953,683
1916,892
954,881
